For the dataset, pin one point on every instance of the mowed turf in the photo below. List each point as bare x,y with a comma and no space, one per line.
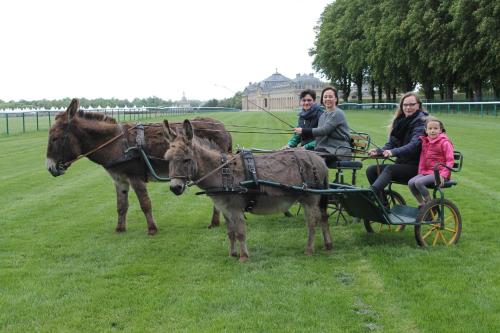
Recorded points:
62,267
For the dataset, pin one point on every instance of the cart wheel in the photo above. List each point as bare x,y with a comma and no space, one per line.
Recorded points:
393,198
431,234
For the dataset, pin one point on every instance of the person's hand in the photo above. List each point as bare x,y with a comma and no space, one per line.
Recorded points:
298,130
441,181
373,152
387,153
285,147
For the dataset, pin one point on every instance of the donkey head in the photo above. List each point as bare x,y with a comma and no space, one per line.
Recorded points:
63,145
180,156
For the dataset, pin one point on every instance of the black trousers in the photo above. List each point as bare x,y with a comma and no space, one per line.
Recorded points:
400,173
330,159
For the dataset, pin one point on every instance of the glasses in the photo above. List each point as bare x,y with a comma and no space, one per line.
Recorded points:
409,105
306,100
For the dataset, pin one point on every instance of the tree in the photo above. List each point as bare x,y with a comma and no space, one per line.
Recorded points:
328,51
211,103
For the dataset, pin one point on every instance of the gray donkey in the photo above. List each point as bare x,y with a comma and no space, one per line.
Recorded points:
193,158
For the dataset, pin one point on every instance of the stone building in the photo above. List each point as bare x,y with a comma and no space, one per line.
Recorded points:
279,93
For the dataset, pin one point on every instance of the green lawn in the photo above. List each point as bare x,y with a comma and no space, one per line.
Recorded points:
62,268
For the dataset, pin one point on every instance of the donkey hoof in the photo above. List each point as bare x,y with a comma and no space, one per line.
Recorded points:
120,229
243,258
233,254
214,224
328,246
152,232
308,252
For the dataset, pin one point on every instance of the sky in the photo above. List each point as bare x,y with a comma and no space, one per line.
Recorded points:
124,49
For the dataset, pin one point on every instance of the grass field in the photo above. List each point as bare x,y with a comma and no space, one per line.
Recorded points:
62,268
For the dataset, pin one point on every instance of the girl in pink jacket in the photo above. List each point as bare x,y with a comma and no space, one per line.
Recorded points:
436,148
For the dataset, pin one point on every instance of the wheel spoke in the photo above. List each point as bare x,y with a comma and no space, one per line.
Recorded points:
435,239
428,233
450,230
451,217
443,238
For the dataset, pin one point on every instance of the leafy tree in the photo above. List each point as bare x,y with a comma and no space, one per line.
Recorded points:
211,103
329,52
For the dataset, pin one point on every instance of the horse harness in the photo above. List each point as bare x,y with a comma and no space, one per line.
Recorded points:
301,168
67,129
251,193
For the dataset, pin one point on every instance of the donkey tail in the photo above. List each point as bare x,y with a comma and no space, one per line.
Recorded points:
323,203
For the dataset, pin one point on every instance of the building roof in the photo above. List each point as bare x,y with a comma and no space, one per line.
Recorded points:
306,78
277,81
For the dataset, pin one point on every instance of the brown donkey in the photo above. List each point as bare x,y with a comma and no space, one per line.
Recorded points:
105,141
193,158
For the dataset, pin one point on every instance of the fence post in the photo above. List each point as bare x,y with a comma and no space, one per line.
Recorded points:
24,126
49,119
7,122
37,128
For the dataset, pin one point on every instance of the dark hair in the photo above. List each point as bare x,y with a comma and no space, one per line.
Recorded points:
306,92
430,119
334,92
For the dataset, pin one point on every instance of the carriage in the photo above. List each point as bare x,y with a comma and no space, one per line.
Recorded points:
437,222
284,177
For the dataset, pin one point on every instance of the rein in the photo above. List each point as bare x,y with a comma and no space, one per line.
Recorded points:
66,164
196,182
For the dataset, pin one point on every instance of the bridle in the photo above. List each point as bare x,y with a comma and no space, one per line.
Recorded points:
187,174
191,169
62,166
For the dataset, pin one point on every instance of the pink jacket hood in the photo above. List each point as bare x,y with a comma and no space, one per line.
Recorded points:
438,150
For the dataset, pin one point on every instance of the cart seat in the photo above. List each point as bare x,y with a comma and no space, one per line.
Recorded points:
351,165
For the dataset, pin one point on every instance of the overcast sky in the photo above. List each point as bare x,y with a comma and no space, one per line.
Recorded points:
124,49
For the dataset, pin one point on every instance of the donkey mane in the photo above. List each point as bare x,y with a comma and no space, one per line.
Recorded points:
207,143
97,116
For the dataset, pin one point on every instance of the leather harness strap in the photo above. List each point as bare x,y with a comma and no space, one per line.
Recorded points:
139,137
226,174
249,163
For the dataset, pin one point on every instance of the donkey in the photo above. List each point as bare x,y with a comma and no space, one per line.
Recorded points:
105,141
192,158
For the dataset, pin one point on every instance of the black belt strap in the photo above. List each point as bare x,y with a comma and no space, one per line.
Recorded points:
249,162
227,177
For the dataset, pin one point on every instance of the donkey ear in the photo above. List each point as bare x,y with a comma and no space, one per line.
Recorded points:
168,132
73,107
188,129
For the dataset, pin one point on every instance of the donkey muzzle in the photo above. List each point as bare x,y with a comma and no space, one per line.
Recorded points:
177,187
55,168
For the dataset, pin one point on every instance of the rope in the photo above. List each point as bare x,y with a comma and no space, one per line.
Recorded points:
196,182
100,146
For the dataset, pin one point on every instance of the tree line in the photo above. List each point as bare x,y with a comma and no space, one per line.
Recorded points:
396,45
232,102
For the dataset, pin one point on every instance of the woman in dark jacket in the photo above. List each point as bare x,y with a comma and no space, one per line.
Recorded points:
404,144
308,118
